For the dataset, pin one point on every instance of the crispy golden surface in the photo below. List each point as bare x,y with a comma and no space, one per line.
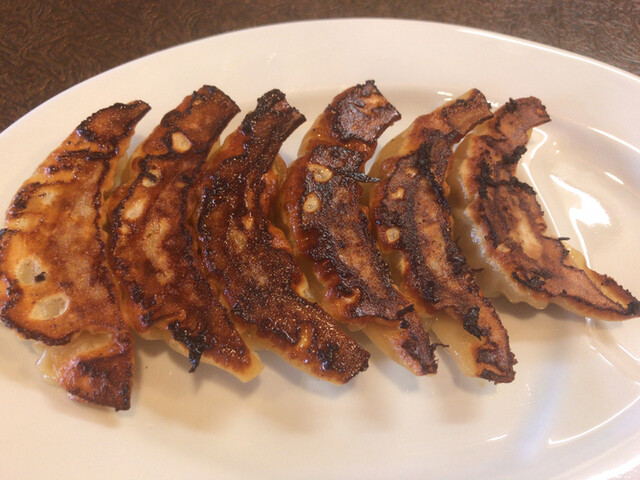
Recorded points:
152,247
354,119
320,206
58,289
510,239
250,260
414,229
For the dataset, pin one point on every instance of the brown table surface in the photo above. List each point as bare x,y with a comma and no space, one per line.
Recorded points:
47,46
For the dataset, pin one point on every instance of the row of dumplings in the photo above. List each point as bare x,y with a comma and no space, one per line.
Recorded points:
220,249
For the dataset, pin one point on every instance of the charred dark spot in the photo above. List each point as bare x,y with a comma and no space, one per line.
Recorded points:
357,176
522,186
343,289
405,310
429,163
109,383
430,291
484,178
22,197
485,181
195,343
170,118
422,351
470,322
119,263
137,294
423,158
491,376
41,277
533,279
634,308
515,156
490,355
404,323
456,259
511,106
146,319
326,355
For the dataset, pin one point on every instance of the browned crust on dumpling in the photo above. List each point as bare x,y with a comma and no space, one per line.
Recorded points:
354,119
511,229
320,208
102,376
411,215
152,247
249,259
53,262
353,283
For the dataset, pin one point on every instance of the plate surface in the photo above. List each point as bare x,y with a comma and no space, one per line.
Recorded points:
573,410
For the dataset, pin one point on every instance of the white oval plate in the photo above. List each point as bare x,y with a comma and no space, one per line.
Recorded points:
572,411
